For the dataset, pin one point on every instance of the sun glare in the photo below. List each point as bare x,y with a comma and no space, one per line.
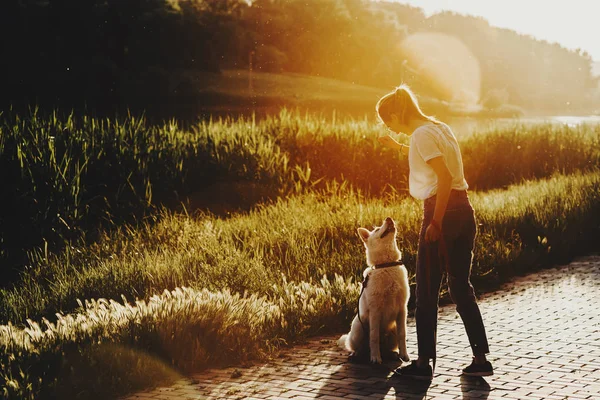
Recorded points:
448,64
572,24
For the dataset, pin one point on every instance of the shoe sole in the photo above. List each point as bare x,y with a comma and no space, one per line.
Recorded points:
417,377
420,378
485,373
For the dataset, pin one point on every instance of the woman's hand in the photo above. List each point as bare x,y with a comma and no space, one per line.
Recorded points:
390,142
433,232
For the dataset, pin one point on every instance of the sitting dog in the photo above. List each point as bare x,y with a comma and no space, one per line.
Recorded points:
380,325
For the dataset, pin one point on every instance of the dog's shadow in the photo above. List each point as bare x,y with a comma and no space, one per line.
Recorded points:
375,381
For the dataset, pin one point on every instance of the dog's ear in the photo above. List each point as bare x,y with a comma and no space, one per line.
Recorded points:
364,234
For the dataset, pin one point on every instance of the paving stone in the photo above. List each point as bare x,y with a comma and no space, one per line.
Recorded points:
543,328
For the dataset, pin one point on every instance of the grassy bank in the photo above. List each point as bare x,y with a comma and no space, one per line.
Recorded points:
240,92
275,274
67,177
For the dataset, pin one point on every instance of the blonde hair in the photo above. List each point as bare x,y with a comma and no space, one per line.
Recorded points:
403,103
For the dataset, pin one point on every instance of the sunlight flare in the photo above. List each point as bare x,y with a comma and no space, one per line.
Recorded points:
448,64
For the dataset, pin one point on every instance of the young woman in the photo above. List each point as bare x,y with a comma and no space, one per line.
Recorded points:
448,230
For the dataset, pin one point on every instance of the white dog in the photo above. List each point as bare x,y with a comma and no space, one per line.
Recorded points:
382,307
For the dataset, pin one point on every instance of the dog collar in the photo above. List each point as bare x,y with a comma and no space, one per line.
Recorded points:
388,264
378,266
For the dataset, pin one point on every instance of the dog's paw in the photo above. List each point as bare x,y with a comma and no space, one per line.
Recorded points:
376,359
342,341
404,357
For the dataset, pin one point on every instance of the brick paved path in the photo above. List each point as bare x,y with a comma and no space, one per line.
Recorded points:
544,332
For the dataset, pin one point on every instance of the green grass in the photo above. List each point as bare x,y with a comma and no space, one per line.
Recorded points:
255,280
67,177
297,88
303,238
91,188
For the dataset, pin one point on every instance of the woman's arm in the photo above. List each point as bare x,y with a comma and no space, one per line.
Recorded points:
444,176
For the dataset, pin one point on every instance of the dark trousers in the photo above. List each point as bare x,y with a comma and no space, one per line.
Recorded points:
459,231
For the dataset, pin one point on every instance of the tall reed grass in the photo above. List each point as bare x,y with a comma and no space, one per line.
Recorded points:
68,177
494,158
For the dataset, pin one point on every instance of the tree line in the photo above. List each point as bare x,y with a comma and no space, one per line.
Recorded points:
115,55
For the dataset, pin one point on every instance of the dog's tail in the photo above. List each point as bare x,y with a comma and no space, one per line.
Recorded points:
343,342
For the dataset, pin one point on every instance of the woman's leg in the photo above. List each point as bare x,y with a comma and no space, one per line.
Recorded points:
460,245
427,293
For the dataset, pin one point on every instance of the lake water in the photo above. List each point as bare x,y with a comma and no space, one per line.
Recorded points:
466,126
461,126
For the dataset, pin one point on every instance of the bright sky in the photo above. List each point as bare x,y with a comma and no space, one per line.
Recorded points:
573,23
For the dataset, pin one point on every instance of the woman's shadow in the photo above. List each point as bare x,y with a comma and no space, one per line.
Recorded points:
473,387
349,379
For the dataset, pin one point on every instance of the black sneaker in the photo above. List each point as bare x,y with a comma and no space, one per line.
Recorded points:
484,369
415,372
